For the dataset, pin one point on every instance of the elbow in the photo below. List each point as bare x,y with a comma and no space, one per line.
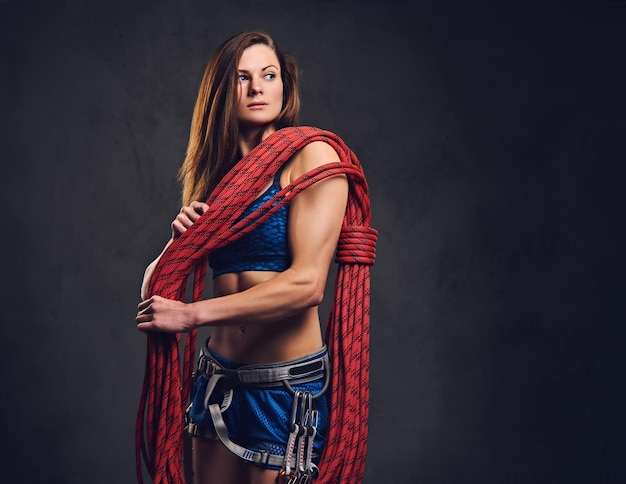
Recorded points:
313,294
309,288
315,297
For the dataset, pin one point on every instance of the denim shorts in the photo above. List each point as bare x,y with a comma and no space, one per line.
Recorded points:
258,418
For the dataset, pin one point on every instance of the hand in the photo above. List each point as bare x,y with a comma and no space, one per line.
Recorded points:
165,315
187,216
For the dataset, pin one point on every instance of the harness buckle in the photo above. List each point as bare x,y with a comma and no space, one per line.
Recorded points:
207,366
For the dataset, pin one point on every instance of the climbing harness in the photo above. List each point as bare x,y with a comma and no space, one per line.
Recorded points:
304,417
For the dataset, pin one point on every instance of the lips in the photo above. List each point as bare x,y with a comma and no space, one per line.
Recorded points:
257,105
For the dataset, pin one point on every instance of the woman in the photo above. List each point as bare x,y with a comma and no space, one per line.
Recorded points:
268,279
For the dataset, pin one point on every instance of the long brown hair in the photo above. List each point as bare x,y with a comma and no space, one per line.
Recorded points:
213,139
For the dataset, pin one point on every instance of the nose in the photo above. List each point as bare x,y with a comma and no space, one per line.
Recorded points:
255,86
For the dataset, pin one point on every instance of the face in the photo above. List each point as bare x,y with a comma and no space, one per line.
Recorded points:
260,91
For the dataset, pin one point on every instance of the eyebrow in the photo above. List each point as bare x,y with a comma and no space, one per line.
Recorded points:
267,67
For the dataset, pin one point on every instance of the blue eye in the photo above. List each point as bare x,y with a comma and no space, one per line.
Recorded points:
242,78
270,75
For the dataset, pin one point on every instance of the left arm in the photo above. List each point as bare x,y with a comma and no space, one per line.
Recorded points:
315,218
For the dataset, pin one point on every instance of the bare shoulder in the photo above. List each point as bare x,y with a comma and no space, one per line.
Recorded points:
314,154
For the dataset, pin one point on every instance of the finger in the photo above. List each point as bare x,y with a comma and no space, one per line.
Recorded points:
144,304
199,207
190,213
178,228
143,318
145,312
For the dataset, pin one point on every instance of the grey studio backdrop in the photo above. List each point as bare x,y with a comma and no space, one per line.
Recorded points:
493,140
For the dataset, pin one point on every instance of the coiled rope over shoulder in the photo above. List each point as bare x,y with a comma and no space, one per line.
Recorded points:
160,419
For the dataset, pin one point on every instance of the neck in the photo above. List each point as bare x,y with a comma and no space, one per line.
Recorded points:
250,137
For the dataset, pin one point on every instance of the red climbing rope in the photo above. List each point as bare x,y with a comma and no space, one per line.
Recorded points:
160,419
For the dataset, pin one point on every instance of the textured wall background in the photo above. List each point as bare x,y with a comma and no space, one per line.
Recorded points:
493,140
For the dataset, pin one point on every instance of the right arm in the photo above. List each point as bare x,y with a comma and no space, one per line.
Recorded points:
185,219
147,275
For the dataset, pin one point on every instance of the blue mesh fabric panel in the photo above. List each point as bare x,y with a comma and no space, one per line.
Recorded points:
263,249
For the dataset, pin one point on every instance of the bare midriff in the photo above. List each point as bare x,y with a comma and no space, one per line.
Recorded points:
263,342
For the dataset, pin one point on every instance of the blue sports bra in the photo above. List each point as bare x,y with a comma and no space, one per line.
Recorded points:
263,249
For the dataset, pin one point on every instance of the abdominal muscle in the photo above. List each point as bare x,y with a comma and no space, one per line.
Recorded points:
263,342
